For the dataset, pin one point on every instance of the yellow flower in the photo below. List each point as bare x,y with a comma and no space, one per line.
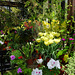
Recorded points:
51,36
42,38
45,39
38,40
53,20
40,34
66,58
56,34
21,25
51,41
57,22
45,34
46,24
46,43
29,21
57,40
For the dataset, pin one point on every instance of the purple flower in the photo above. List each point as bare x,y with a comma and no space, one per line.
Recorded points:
71,39
63,39
2,32
12,57
73,34
72,43
19,70
15,31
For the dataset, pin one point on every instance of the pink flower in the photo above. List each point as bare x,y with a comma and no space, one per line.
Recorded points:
2,32
73,34
33,39
36,72
72,43
25,25
63,39
19,70
12,57
31,27
71,39
15,31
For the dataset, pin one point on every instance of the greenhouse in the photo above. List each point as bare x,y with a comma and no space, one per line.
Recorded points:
37,37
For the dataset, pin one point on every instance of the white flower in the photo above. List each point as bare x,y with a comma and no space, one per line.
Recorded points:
51,64
39,61
1,42
57,64
36,72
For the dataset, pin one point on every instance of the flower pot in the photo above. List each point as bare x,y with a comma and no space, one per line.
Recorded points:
29,61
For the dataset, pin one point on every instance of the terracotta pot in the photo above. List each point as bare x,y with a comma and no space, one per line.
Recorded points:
29,61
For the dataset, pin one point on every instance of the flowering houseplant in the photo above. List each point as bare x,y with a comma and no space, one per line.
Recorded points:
19,61
48,44
53,67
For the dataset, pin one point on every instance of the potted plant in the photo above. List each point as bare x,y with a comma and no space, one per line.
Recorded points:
27,50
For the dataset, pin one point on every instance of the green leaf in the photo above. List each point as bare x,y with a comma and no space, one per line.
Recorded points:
60,52
62,30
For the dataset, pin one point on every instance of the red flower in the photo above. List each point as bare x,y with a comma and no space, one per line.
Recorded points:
36,51
6,42
39,56
25,25
54,74
31,27
39,65
4,49
9,47
35,59
50,70
20,57
61,67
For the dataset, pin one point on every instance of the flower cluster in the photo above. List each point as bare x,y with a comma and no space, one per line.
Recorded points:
49,37
52,63
54,26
